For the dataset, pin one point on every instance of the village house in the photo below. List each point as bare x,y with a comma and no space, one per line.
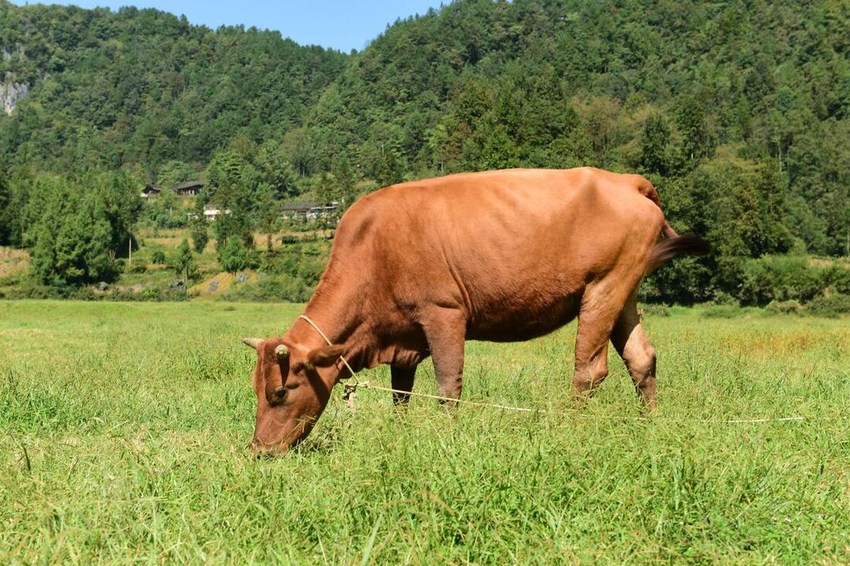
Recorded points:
189,189
212,211
150,191
308,210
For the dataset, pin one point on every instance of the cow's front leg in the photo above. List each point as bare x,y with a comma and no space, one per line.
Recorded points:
402,380
445,330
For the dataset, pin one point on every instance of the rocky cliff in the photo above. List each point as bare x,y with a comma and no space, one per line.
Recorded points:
10,93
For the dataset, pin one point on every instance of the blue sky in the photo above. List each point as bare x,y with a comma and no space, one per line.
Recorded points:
341,24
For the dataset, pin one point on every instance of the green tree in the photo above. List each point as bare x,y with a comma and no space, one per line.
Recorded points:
80,232
654,148
184,262
233,257
698,139
275,170
232,181
389,169
344,191
198,227
268,215
173,173
6,215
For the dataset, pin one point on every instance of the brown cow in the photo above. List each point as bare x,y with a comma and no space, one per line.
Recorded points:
418,268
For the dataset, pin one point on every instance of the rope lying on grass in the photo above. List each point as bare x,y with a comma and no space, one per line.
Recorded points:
350,393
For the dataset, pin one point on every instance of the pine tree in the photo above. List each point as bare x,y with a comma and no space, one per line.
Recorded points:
233,257
80,232
268,215
343,181
184,262
389,170
198,227
231,179
5,212
654,147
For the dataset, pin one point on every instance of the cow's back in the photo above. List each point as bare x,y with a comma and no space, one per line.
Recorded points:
514,248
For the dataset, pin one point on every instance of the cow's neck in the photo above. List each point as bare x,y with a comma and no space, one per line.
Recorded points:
338,311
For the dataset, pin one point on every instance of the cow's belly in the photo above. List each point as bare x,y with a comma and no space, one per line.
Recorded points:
518,320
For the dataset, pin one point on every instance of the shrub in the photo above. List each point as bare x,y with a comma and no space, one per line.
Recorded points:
234,256
829,306
149,294
254,258
784,278
784,307
169,221
271,289
725,311
158,258
656,309
310,270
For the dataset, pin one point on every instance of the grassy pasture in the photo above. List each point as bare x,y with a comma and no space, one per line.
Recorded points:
124,427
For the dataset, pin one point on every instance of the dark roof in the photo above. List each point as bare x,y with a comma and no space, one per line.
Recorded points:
189,185
152,188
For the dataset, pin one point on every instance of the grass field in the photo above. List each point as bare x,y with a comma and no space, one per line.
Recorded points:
124,429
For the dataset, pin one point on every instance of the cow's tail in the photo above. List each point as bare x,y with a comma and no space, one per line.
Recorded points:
675,245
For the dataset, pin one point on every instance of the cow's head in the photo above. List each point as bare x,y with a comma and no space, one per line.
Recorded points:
293,385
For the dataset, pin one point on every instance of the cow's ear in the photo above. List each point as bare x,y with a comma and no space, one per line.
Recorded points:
324,356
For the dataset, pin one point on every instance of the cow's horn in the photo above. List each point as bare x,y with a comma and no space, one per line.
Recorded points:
253,342
282,352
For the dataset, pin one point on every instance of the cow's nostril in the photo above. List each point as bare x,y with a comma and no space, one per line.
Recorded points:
261,450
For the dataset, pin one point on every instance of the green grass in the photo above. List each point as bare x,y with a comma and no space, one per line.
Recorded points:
124,429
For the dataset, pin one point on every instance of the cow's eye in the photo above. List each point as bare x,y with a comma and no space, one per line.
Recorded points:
278,395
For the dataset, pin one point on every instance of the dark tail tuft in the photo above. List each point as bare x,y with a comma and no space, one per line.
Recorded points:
675,246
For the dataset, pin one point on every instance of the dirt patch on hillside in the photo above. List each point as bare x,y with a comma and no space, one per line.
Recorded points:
220,284
821,262
12,262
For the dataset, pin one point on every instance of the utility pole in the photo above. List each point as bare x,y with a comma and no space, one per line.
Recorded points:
130,250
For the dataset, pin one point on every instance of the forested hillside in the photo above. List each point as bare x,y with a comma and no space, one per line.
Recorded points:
739,112
143,87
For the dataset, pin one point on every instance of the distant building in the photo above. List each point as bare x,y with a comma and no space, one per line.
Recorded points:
308,210
212,211
189,189
150,191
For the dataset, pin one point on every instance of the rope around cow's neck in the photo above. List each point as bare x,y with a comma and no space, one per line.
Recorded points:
351,391
329,343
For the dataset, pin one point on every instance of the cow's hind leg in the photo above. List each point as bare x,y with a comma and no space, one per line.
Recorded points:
445,331
402,380
600,308
633,346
